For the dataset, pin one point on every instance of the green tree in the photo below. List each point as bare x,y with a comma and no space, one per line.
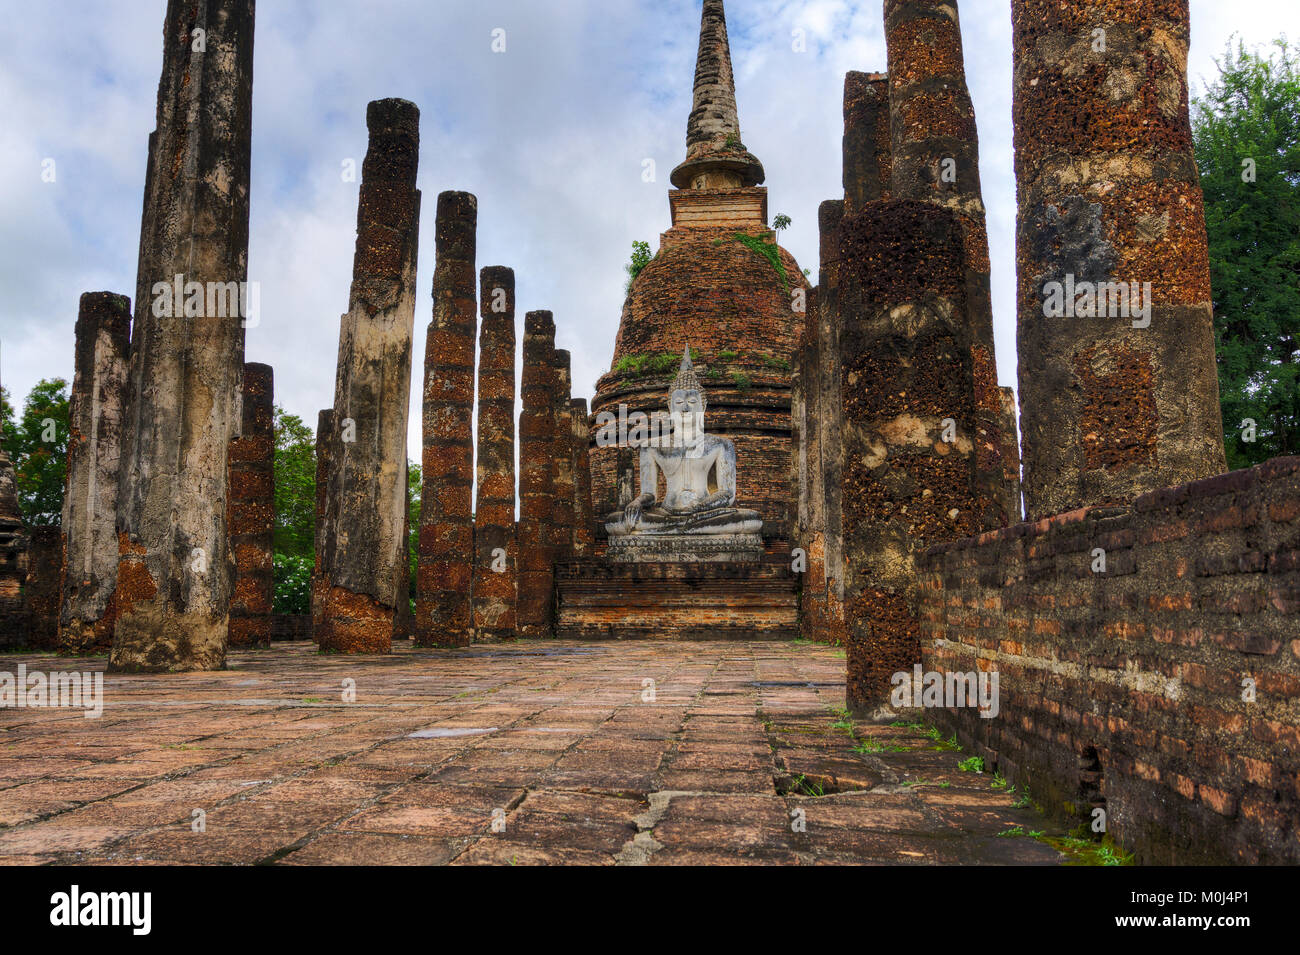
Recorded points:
7,414
37,444
292,583
1247,138
295,486
641,256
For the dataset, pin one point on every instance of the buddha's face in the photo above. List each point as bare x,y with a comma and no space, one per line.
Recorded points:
686,410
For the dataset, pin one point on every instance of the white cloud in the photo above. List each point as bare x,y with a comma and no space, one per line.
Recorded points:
550,136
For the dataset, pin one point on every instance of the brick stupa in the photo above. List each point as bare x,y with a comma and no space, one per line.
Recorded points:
720,284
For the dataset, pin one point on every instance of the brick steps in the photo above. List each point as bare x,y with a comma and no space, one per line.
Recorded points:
676,601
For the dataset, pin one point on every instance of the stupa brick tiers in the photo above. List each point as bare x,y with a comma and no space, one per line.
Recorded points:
727,302
756,419
251,511
728,209
496,557
443,611
174,571
362,540
1108,192
676,600
95,408
537,439
739,306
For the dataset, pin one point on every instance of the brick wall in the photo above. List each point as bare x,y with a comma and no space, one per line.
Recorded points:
1124,688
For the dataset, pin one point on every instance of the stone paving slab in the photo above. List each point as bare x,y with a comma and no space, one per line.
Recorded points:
512,754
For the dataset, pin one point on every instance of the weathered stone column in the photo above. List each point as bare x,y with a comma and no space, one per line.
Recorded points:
41,591
187,347
908,393
443,615
830,413
867,147
364,526
935,158
1010,454
404,612
95,409
325,444
251,511
533,616
584,520
1118,388
563,475
496,559
806,469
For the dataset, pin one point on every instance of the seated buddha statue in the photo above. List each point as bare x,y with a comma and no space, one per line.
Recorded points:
699,472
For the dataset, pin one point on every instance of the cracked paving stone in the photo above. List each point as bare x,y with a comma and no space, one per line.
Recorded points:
532,754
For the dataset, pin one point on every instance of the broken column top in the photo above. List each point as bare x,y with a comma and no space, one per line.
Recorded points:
109,310
539,323
394,153
456,225
713,143
494,277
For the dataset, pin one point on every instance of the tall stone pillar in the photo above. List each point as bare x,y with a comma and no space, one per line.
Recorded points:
1118,388
41,590
325,444
443,614
584,520
95,409
827,492
496,559
533,616
363,537
868,154
404,612
935,158
805,465
1010,454
907,478
187,347
563,475
251,511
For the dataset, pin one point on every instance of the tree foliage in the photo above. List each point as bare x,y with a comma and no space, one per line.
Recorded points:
295,486
641,257
1247,138
37,444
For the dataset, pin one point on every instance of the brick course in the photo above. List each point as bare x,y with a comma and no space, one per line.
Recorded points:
1140,669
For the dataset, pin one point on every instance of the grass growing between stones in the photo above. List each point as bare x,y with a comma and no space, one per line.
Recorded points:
1087,852
768,250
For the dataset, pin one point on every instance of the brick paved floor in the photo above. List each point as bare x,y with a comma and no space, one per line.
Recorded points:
739,748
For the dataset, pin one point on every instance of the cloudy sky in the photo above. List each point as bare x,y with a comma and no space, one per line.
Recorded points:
551,135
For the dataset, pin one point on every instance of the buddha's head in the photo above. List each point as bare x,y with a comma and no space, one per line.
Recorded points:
687,403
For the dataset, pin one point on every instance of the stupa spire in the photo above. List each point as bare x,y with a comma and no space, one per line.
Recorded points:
715,156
